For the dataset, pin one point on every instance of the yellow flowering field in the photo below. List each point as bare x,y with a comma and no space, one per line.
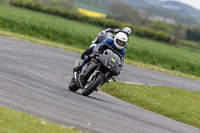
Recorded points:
91,13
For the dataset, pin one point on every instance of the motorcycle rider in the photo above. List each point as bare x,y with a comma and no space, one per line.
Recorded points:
118,43
126,30
89,50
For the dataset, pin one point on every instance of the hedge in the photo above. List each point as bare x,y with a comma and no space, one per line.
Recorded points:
156,35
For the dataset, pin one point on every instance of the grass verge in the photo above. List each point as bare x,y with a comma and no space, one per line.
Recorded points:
16,122
178,104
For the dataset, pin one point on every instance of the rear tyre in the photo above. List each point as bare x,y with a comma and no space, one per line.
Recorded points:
72,86
93,85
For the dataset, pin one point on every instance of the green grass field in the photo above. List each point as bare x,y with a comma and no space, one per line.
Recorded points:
12,121
178,104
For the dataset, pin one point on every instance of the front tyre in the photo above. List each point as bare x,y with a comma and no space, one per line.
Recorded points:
72,86
91,86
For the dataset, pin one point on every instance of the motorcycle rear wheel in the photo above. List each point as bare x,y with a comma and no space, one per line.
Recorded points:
90,87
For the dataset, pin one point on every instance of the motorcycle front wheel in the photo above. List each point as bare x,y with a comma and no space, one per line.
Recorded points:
72,86
92,85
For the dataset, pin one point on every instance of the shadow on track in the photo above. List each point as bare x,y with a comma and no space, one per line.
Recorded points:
92,97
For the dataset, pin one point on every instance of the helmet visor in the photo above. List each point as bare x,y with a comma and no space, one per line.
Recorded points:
121,43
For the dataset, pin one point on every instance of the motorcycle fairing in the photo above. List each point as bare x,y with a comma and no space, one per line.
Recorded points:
111,61
88,69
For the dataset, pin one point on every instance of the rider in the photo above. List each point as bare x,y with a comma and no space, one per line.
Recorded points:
119,43
126,30
89,50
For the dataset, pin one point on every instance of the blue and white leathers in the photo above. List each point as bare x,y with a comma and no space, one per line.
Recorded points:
110,42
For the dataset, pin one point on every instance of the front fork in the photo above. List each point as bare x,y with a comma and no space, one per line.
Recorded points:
75,75
96,72
107,74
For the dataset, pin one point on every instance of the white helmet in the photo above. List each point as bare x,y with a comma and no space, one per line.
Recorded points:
120,40
127,30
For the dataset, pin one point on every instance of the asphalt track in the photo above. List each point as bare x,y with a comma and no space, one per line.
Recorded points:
34,79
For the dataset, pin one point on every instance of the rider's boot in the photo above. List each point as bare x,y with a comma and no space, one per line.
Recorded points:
78,68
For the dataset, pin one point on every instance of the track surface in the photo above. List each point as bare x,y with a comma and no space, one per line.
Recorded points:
34,79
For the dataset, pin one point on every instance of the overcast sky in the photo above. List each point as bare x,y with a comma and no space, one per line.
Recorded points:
193,3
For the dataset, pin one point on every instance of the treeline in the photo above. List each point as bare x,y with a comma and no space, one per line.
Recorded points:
111,23
193,34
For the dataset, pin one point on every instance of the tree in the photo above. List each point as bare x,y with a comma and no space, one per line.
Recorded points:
179,32
193,34
122,12
159,25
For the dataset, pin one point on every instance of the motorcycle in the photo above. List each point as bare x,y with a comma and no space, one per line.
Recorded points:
102,67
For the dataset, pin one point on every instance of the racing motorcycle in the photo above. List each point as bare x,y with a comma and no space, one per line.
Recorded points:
102,67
